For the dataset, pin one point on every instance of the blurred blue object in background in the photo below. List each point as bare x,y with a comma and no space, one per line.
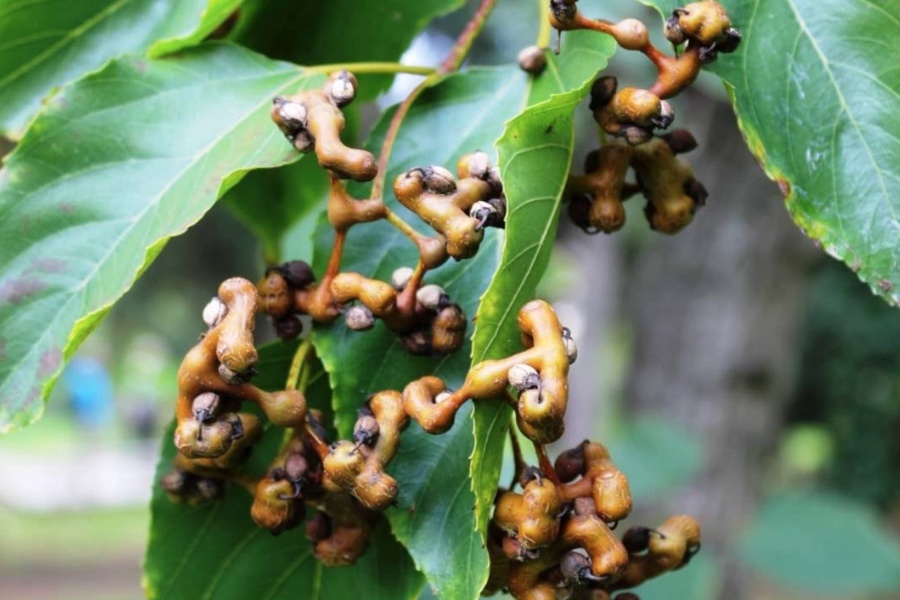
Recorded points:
89,389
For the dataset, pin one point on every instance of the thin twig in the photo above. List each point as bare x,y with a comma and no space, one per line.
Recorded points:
546,466
464,42
451,63
374,68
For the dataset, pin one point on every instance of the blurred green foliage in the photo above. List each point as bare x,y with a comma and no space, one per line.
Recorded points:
823,543
850,382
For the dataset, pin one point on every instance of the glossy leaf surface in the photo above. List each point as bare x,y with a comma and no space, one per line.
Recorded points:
216,551
53,42
113,167
535,154
216,18
816,88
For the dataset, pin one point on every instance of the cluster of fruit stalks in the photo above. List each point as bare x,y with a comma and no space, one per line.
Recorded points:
553,539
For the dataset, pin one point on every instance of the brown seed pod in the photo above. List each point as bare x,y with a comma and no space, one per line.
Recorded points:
275,295
634,112
378,296
601,481
349,527
275,506
533,516
569,465
668,547
297,273
673,195
312,120
288,327
631,34
198,440
366,430
448,330
318,527
540,416
586,530
597,196
235,349
706,23
359,468
428,193
417,342
532,60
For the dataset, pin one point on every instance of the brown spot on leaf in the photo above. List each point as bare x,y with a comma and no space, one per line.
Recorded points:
856,266
49,265
885,285
16,290
50,361
784,186
34,395
66,207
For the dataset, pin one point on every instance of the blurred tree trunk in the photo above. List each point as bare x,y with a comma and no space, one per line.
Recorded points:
715,312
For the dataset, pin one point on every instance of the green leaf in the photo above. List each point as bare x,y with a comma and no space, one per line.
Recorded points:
214,14
434,519
50,43
217,551
821,543
817,91
115,165
344,31
535,155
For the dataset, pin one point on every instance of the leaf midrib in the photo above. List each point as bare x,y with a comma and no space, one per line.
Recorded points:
845,107
547,227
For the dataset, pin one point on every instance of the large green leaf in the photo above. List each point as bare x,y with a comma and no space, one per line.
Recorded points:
817,91
52,42
217,551
535,154
824,544
343,31
115,165
434,518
